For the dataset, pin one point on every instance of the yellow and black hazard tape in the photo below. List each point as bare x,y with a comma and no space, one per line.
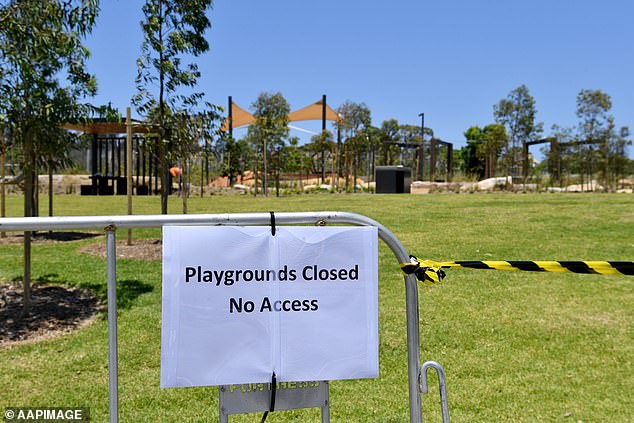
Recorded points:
430,271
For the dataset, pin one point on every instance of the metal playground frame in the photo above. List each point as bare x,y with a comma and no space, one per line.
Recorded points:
417,382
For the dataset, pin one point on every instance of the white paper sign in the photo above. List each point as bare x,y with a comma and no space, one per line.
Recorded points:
240,304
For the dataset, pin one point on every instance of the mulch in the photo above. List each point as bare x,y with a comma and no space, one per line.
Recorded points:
141,249
54,310
57,309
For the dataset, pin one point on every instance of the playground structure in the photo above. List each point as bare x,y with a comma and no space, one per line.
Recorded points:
107,158
554,159
434,148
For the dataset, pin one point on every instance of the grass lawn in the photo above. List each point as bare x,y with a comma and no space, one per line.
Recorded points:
515,346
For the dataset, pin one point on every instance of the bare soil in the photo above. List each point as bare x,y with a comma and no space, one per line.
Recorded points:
54,310
141,249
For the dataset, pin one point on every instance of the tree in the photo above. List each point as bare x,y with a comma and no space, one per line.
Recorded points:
319,144
41,42
517,113
294,159
269,131
354,117
493,140
188,136
479,158
593,109
173,29
389,137
373,135
411,134
471,163
233,152
618,151
55,153
599,141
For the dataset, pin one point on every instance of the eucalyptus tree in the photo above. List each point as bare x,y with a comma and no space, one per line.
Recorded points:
411,135
600,141
189,134
493,140
319,145
373,135
354,117
43,80
173,31
296,160
233,156
563,160
517,113
484,145
269,131
471,162
390,135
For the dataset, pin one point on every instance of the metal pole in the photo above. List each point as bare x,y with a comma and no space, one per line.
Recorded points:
113,360
325,410
421,155
230,116
323,131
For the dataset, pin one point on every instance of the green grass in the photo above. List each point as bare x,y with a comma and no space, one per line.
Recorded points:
516,346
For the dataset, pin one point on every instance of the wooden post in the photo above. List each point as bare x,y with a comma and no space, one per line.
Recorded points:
2,174
128,146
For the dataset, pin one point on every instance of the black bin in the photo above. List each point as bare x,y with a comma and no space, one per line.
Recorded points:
393,179
122,185
87,190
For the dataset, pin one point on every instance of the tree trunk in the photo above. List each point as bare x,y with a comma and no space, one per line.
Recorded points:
165,178
3,210
347,167
183,185
323,165
265,174
354,173
335,180
29,187
50,189
255,179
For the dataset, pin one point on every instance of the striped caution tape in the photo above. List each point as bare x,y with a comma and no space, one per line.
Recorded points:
430,271
425,270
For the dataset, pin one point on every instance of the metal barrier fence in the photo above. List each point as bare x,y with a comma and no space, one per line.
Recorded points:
112,223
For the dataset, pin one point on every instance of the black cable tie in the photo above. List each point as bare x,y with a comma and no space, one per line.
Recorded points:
273,391
272,223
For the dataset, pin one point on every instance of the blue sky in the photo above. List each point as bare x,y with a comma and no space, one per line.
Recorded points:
451,59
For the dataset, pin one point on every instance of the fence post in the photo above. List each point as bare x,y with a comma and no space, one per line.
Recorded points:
113,364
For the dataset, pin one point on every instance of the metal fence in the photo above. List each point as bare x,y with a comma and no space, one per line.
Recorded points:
112,223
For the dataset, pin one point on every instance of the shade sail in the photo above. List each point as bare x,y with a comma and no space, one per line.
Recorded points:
313,112
101,128
241,117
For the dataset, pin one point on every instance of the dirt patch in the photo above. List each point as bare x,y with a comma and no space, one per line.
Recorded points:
45,237
141,249
55,310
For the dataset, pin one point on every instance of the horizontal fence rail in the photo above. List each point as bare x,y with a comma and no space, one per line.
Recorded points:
111,223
